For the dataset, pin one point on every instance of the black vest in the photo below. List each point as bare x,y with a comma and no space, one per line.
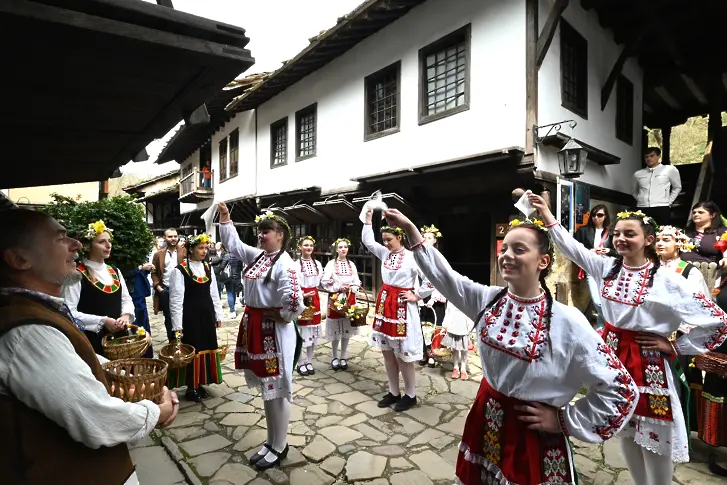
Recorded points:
104,302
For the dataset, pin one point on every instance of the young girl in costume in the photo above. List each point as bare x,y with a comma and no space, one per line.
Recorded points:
311,272
340,280
194,302
432,307
536,356
457,339
643,305
397,331
266,340
100,301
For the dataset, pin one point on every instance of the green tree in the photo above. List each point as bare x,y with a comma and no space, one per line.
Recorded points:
132,240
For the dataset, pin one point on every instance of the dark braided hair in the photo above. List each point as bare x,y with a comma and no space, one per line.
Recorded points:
649,251
269,224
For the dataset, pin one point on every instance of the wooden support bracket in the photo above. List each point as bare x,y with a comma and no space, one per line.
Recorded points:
546,36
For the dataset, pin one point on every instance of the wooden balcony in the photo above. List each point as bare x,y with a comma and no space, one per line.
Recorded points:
196,187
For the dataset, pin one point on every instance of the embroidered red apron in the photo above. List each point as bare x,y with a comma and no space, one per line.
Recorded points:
496,446
390,316
316,303
647,369
257,347
332,312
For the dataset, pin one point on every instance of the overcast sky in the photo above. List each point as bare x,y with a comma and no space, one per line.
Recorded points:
278,30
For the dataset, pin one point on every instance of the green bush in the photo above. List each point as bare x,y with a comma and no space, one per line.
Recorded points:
132,240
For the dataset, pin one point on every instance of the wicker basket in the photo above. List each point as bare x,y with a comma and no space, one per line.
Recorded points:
222,349
712,362
127,347
177,355
309,312
359,319
134,380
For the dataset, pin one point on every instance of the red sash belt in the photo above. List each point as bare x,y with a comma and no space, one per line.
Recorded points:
648,370
390,316
316,303
257,347
332,312
496,445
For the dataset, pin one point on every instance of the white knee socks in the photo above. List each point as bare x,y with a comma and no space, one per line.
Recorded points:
392,371
462,360
309,355
269,411
646,467
344,347
278,420
410,379
334,346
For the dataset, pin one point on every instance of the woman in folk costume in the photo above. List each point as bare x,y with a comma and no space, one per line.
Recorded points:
100,301
311,272
194,302
266,341
458,327
643,306
432,308
536,356
397,330
340,280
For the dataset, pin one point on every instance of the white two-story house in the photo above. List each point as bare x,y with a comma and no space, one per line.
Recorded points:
432,102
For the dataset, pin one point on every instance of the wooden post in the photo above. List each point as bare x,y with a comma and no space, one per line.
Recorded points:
714,125
546,36
531,74
666,145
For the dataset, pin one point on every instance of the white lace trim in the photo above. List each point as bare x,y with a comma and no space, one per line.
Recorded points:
376,332
269,355
654,391
646,419
668,447
390,320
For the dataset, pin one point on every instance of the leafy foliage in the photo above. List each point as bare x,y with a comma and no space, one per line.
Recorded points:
688,141
132,240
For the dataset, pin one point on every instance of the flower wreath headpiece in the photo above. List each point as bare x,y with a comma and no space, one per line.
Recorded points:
649,221
306,238
683,242
97,228
198,239
394,230
537,223
340,240
276,218
431,230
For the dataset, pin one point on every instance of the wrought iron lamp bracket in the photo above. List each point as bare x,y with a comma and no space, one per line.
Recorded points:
553,129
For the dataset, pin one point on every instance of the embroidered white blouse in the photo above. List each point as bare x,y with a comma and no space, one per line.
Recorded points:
397,268
339,273
526,358
311,272
176,293
284,289
72,295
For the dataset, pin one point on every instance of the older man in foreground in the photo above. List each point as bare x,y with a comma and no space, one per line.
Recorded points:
57,421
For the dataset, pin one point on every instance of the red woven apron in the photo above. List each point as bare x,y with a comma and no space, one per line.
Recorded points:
316,304
390,316
257,347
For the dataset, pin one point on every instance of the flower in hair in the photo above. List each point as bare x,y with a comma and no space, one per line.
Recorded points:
534,222
266,215
198,239
431,230
340,240
97,228
683,242
394,230
306,238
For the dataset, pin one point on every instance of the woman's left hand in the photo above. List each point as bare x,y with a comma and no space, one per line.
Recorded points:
410,297
219,324
650,341
540,416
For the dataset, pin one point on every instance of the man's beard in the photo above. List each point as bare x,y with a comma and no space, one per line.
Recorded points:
71,278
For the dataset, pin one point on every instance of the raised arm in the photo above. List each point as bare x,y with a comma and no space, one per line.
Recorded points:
234,245
176,298
367,237
612,393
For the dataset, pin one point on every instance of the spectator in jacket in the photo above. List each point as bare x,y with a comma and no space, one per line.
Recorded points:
596,236
219,262
656,187
234,284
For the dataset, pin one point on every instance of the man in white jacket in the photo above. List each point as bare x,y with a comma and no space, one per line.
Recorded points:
656,187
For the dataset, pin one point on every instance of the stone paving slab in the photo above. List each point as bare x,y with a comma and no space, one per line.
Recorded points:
338,435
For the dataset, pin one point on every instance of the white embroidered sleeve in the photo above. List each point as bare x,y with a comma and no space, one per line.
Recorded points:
127,304
425,289
320,274
367,237
697,310
593,264
234,245
465,294
289,292
355,281
72,295
328,282
612,393
176,298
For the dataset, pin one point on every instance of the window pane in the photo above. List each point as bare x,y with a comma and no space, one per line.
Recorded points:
382,94
445,71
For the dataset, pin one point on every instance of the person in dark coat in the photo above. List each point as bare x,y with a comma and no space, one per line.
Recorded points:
140,289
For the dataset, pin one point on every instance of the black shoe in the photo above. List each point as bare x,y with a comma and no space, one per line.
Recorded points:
302,370
262,464
335,364
192,395
388,400
257,456
344,364
423,362
405,403
431,363
310,369
715,468
203,392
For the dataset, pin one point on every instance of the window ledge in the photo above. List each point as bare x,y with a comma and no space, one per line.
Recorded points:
305,157
443,114
381,134
583,114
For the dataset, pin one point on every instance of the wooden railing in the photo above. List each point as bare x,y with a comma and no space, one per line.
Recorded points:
197,182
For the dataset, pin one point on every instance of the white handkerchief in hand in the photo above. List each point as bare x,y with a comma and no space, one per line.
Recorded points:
208,217
523,205
376,203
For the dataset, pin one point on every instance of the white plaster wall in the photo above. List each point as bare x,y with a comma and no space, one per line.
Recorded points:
599,130
243,185
496,118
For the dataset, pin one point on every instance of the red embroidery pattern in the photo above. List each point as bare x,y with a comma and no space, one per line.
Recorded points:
261,266
510,313
630,287
293,302
625,390
308,267
343,268
719,336
394,260
115,282
195,278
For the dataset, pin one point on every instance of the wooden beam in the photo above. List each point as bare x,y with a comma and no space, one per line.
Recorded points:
695,90
667,97
663,33
628,51
165,3
531,73
546,36
666,145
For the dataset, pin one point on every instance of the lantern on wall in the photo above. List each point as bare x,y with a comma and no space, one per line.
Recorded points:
572,160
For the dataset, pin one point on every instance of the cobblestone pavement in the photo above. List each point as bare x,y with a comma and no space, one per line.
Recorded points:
339,436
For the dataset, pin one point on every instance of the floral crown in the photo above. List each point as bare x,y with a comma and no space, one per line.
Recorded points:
683,242
198,239
649,221
274,217
340,240
397,231
306,238
536,223
97,228
431,230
